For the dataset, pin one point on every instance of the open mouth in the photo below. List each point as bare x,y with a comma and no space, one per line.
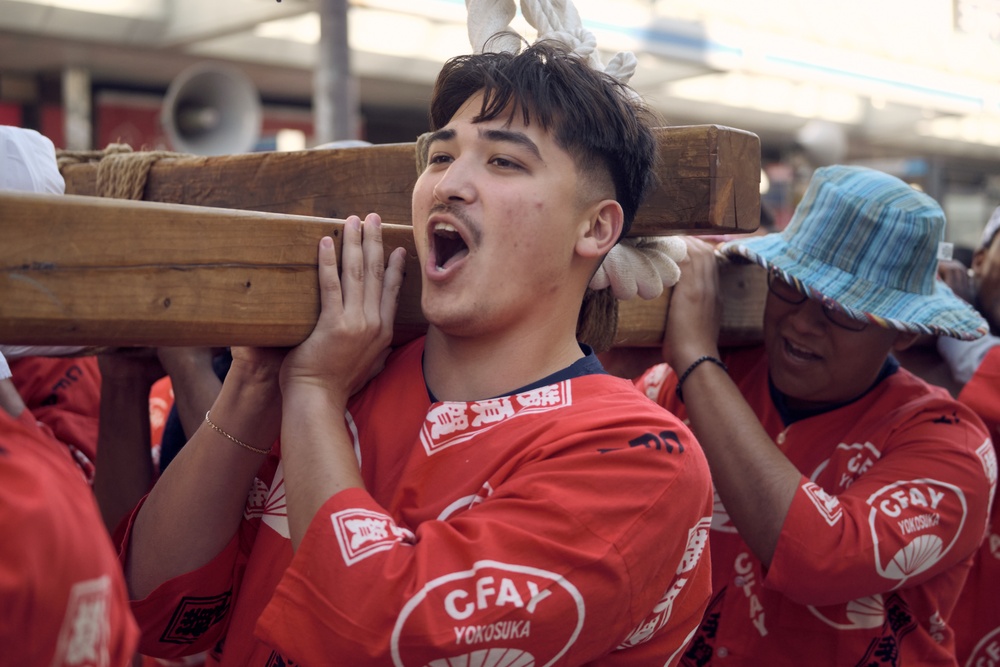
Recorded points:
449,247
796,352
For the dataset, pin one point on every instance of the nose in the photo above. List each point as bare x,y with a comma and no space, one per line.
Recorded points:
808,317
455,184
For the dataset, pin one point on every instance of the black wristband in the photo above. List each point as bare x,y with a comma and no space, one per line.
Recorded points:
697,362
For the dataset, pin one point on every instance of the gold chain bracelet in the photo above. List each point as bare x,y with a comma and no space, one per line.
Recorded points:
238,442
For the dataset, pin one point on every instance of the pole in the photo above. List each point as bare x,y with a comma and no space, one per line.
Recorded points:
334,89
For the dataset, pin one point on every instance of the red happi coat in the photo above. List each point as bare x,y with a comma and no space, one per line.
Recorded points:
877,543
563,524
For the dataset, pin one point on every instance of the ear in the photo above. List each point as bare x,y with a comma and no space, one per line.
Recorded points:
904,340
978,258
600,228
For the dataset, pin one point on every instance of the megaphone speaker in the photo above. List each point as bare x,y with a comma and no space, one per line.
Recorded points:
212,109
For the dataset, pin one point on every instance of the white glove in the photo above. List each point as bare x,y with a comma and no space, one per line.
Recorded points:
641,266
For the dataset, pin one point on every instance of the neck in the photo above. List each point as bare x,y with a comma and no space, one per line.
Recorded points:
469,369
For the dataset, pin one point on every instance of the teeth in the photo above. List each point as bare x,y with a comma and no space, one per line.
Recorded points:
449,246
798,351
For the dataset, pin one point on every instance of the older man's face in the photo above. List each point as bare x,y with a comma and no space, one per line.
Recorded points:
816,363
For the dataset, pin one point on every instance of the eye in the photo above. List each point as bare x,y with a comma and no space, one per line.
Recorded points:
439,158
505,163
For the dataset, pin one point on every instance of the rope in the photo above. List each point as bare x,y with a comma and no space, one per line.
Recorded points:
121,172
66,157
553,19
488,18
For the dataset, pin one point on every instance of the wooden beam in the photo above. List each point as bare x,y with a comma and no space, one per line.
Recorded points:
91,271
744,289
709,182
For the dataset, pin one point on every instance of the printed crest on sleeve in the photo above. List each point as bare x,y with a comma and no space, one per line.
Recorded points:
452,423
86,628
361,533
828,506
907,528
497,614
660,615
654,379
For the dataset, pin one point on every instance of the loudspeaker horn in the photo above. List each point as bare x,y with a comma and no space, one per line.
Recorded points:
212,109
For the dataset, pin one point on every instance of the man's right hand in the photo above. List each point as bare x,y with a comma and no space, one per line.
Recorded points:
351,339
695,311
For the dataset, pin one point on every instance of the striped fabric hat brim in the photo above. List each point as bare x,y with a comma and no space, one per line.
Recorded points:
940,313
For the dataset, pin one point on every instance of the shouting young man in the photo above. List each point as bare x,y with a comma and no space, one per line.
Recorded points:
514,504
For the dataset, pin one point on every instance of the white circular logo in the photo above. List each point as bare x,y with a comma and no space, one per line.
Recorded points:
906,526
527,616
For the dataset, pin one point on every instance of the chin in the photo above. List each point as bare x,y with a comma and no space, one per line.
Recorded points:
451,320
788,383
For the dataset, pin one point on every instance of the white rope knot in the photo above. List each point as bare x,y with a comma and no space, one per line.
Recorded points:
486,19
582,42
553,19
641,266
622,66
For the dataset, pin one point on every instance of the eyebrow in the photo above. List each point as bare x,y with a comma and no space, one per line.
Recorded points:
506,136
509,136
441,135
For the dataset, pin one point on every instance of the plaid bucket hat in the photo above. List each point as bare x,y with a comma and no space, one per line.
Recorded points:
867,243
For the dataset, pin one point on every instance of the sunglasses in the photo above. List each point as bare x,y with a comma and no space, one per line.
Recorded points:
791,294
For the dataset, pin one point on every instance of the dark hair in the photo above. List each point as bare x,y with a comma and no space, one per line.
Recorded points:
592,115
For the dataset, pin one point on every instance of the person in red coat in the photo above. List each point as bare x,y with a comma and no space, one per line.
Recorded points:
851,495
492,495
63,600
975,366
